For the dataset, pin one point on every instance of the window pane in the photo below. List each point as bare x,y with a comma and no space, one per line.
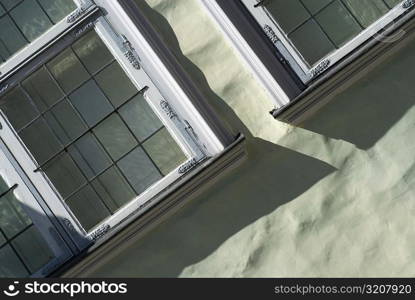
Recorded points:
11,40
115,84
115,136
289,14
311,41
89,155
65,122
367,11
164,151
64,174
2,239
33,249
18,108
338,23
40,140
91,103
68,70
113,189
88,207
57,9
92,52
392,3
10,265
31,19
140,117
42,89
139,170
315,5
13,219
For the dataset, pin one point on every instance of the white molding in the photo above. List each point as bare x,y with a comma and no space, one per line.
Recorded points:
274,90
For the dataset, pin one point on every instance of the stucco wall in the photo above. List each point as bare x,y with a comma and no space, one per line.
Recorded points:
332,198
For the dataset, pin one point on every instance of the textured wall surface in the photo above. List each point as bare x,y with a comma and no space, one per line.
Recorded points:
332,198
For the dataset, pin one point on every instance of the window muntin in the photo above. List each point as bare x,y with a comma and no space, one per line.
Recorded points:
83,133
313,34
23,21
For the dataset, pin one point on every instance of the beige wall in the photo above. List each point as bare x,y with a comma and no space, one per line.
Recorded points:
333,198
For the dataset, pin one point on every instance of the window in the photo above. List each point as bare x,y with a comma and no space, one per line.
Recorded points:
314,34
299,40
85,123
30,245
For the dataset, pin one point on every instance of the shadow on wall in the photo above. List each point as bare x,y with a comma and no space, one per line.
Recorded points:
24,251
366,110
271,177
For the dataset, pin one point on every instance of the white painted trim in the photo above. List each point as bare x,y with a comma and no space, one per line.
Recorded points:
13,63
274,90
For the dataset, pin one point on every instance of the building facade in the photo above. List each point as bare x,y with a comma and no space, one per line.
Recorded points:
136,138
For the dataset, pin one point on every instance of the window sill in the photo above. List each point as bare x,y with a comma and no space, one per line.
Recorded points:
344,73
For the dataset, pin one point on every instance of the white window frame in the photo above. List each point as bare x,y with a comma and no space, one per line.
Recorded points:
26,196
278,38
162,92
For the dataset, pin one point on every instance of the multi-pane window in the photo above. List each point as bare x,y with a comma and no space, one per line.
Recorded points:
86,132
312,35
318,27
23,21
90,130
23,251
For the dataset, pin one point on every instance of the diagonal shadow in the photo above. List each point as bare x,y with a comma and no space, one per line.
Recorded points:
272,176
364,111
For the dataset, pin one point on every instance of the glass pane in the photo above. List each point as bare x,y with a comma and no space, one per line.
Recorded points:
115,136
8,4
11,40
88,208
140,117
311,41
18,108
139,170
3,187
367,11
65,122
315,5
42,89
91,103
68,70
13,218
115,84
64,174
2,239
33,249
57,9
2,11
338,23
288,14
92,52
10,265
31,19
164,151
40,140
89,155
113,189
